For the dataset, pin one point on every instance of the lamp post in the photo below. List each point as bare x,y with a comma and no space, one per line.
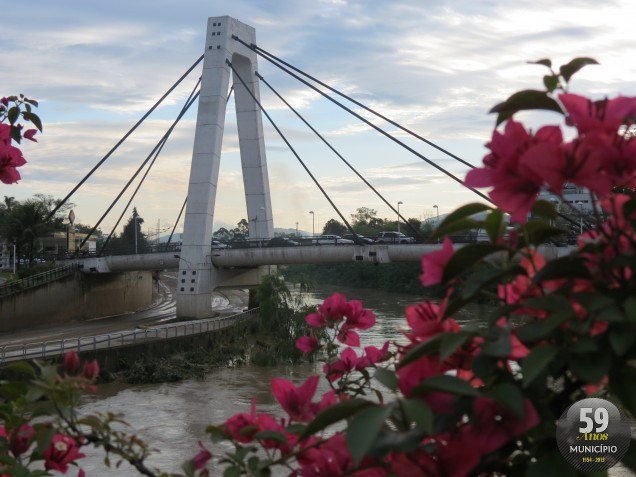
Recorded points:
313,223
135,224
437,209
296,229
580,204
400,202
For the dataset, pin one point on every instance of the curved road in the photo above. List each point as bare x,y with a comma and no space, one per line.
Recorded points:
162,310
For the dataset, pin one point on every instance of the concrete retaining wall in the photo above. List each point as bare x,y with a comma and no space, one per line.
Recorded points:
75,298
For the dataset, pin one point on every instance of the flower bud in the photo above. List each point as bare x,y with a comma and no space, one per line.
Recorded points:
71,362
90,369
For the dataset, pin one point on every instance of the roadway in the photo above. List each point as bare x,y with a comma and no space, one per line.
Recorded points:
162,311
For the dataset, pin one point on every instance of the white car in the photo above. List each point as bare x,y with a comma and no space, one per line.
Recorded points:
332,240
217,244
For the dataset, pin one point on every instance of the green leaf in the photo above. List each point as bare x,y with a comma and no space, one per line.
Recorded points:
551,82
333,414
422,349
485,278
545,62
494,224
536,361
510,396
21,367
630,309
450,342
217,433
272,436
364,429
539,232
498,345
233,471
34,118
466,257
13,114
622,382
448,384
629,459
459,225
621,340
524,100
545,209
590,367
564,267
417,411
551,303
575,65
387,378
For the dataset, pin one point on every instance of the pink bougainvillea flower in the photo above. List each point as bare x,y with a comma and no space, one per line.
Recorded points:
62,451
334,307
71,362
349,361
348,336
605,116
358,317
411,375
90,370
426,320
307,344
21,439
10,157
515,185
202,457
235,425
433,264
296,401
377,355
327,459
29,133
497,425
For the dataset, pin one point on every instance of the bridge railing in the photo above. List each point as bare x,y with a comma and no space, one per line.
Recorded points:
55,348
36,280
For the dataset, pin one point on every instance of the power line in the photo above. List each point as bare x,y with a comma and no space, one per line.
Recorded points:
417,233
156,150
369,123
108,154
292,149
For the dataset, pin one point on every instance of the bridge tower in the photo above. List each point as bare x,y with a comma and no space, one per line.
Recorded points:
198,278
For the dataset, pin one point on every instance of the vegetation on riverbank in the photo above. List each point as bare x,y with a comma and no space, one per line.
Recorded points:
266,342
400,277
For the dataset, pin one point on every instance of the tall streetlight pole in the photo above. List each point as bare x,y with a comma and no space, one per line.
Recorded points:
398,221
437,209
135,224
313,223
580,204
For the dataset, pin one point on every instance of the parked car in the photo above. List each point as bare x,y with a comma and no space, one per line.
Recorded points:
282,242
362,238
332,240
393,237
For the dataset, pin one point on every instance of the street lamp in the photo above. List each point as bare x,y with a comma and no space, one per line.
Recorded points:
580,204
437,209
296,229
313,223
136,225
400,202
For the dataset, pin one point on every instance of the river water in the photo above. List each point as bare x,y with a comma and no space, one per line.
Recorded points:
172,417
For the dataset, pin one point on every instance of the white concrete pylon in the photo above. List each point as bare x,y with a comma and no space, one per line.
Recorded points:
197,276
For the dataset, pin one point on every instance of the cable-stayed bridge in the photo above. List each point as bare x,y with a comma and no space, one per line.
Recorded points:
229,67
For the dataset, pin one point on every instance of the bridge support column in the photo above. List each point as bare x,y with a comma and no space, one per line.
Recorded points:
197,276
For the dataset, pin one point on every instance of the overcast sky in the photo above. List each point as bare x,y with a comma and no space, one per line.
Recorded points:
436,67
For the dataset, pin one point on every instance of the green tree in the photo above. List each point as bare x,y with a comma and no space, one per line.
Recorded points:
333,227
